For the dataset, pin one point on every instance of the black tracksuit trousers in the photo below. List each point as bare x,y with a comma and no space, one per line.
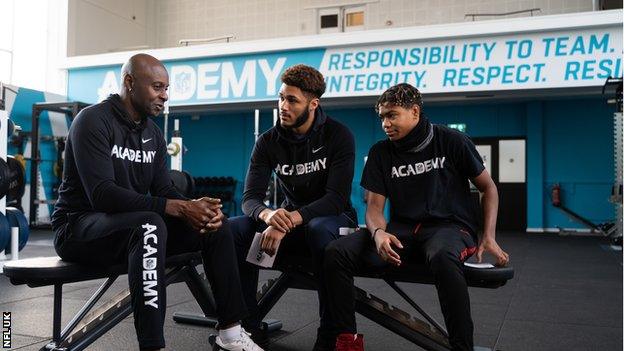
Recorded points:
443,247
143,239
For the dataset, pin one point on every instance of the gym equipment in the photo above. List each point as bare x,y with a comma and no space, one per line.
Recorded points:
5,176
175,148
20,158
58,164
70,109
12,182
5,233
17,181
613,88
183,182
10,128
17,219
218,187
607,229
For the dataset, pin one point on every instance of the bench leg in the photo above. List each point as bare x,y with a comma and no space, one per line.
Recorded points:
199,287
422,312
58,308
272,292
400,322
268,297
93,325
100,329
87,306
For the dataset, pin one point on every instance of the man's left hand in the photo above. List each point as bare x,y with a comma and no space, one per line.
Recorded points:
490,245
214,223
271,238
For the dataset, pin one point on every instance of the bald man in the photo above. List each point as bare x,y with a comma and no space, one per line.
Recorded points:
117,205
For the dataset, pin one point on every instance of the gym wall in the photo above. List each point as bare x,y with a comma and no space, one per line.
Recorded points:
576,149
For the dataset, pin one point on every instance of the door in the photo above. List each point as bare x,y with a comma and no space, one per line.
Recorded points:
507,166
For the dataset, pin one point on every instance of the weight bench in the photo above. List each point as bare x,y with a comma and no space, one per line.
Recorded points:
429,334
88,325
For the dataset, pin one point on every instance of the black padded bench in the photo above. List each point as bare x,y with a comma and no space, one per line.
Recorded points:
88,325
428,334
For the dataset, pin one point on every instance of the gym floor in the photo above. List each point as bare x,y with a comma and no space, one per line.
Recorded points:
566,295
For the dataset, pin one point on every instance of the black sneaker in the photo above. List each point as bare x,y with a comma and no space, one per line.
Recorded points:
259,336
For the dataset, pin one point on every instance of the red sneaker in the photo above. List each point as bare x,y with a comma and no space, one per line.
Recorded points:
350,342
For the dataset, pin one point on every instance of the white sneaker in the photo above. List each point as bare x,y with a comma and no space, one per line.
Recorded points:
244,343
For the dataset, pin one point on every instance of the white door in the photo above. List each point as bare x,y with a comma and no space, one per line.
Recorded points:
511,161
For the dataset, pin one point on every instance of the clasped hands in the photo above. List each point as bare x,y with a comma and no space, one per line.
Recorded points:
279,223
203,215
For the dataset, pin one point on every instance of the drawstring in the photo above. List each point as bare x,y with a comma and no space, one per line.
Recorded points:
142,153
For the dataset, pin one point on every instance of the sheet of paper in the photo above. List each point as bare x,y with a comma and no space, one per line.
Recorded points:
479,265
342,231
257,256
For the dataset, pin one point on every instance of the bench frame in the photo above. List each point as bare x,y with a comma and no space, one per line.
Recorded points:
429,334
89,324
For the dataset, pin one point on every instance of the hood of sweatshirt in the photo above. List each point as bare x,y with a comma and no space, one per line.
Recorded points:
122,114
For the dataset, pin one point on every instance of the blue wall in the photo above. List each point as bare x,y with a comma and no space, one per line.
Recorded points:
569,141
578,154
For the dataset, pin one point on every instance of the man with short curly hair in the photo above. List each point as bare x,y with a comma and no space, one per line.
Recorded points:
423,169
312,156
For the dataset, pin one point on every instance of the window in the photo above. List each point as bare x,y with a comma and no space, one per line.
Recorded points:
341,19
329,20
353,18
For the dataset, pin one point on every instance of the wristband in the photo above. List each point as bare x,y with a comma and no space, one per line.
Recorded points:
375,232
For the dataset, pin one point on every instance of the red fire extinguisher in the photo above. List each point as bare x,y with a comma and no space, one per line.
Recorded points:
556,195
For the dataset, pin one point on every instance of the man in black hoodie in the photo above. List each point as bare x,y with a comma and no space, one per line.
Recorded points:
312,156
117,204
424,170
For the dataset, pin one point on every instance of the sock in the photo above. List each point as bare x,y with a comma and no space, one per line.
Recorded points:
230,334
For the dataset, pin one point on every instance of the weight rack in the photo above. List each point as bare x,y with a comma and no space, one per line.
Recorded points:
70,109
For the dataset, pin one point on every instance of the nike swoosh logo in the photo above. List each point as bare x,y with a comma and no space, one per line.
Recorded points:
317,150
145,140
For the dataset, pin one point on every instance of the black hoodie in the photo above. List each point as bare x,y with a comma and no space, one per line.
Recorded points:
314,171
113,164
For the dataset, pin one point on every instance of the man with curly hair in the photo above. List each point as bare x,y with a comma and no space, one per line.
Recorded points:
312,156
424,170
